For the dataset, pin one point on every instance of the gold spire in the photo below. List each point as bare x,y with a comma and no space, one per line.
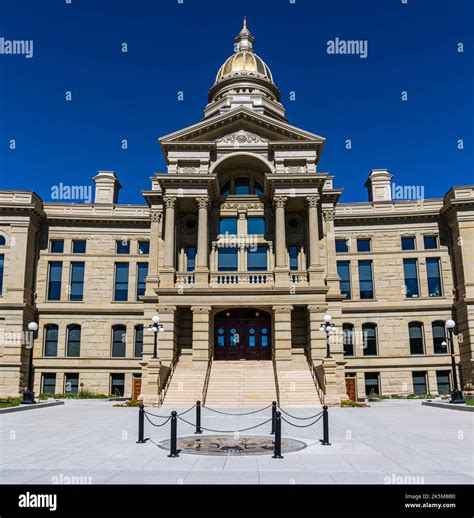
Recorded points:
244,39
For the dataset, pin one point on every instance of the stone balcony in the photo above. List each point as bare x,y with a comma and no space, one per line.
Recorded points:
243,279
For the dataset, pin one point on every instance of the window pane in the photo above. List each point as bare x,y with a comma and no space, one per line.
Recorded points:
51,340
369,335
73,341
372,383
410,268
2,263
443,380
118,341
54,284
293,253
434,278
121,282
439,337
142,272
348,338
430,242
408,243
258,189
363,245
71,385
344,272
256,226
226,189
2,241
49,383
419,383
228,226
138,353
342,245
257,259
227,259
365,280
117,384
242,186
415,331
77,281
144,247
191,258
79,246
122,247
57,246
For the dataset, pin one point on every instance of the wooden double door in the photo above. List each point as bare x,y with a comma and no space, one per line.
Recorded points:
242,335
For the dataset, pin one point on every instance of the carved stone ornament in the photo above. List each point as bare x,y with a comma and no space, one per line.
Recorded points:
280,201
312,201
201,309
166,310
203,202
317,309
169,201
296,169
282,309
189,169
155,216
329,214
241,137
242,206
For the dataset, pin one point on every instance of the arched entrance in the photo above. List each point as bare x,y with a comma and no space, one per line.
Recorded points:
242,334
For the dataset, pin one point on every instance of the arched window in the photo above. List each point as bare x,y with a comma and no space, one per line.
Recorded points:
73,348
439,336
258,189
118,341
415,331
242,186
369,334
50,340
3,241
138,349
348,338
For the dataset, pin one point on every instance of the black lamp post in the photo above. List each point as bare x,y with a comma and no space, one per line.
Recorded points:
456,394
329,328
156,328
28,394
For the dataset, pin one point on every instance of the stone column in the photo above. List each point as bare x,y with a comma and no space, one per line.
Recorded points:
332,278
316,338
201,274
201,336
155,236
167,272
282,336
281,266
315,269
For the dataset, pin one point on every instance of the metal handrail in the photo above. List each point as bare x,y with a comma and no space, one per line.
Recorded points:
208,375
165,388
314,375
275,374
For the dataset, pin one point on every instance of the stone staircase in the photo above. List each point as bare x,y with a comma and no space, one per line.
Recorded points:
186,385
296,385
241,384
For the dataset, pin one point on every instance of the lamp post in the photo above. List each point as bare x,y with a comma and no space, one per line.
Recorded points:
28,394
456,394
329,328
155,327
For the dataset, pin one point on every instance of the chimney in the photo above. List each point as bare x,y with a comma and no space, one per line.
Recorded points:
107,187
379,186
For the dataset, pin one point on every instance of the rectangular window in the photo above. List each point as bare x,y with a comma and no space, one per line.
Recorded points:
117,384
144,247
191,258
434,277
344,272
372,385
363,245
73,349
79,246
443,380
227,259
119,335
257,259
366,284
138,349
256,226
71,383
342,246
77,281
408,243
142,272
49,383
122,247
430,242
415,333
439,338
293,253
242,186
410,269
2,266
51,340
228,226
369,339
348,339
419,383
55,271
56,246
121,282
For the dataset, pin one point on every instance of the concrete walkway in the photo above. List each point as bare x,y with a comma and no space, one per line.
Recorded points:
94,442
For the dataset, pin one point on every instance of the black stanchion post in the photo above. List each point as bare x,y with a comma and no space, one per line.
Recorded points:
277,452
325,426
198,417
274,413
174,432
141,424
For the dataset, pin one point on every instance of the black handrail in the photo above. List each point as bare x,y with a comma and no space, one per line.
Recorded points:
275,374
314,375
165,388
208,375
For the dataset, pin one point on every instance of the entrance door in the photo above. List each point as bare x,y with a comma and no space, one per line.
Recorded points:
137,387
351,388
242,335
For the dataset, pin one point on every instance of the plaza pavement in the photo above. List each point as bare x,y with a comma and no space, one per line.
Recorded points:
396,441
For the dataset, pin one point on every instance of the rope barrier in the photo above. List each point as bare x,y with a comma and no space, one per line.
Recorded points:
300,418
156,425
301,426
229,413
226,431
166,416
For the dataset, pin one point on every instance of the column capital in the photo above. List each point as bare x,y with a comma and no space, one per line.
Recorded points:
282,309
201,309
312,201
317,309
279,202
155,215
203,202
166,310
169,201
329,214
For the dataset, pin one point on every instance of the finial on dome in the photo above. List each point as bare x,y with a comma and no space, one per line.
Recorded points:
245,39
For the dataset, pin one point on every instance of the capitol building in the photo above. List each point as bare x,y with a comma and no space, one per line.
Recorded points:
241,247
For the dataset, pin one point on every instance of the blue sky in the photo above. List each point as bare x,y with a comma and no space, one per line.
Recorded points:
178,47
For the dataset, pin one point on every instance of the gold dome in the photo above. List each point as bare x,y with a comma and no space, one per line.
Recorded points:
244,62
